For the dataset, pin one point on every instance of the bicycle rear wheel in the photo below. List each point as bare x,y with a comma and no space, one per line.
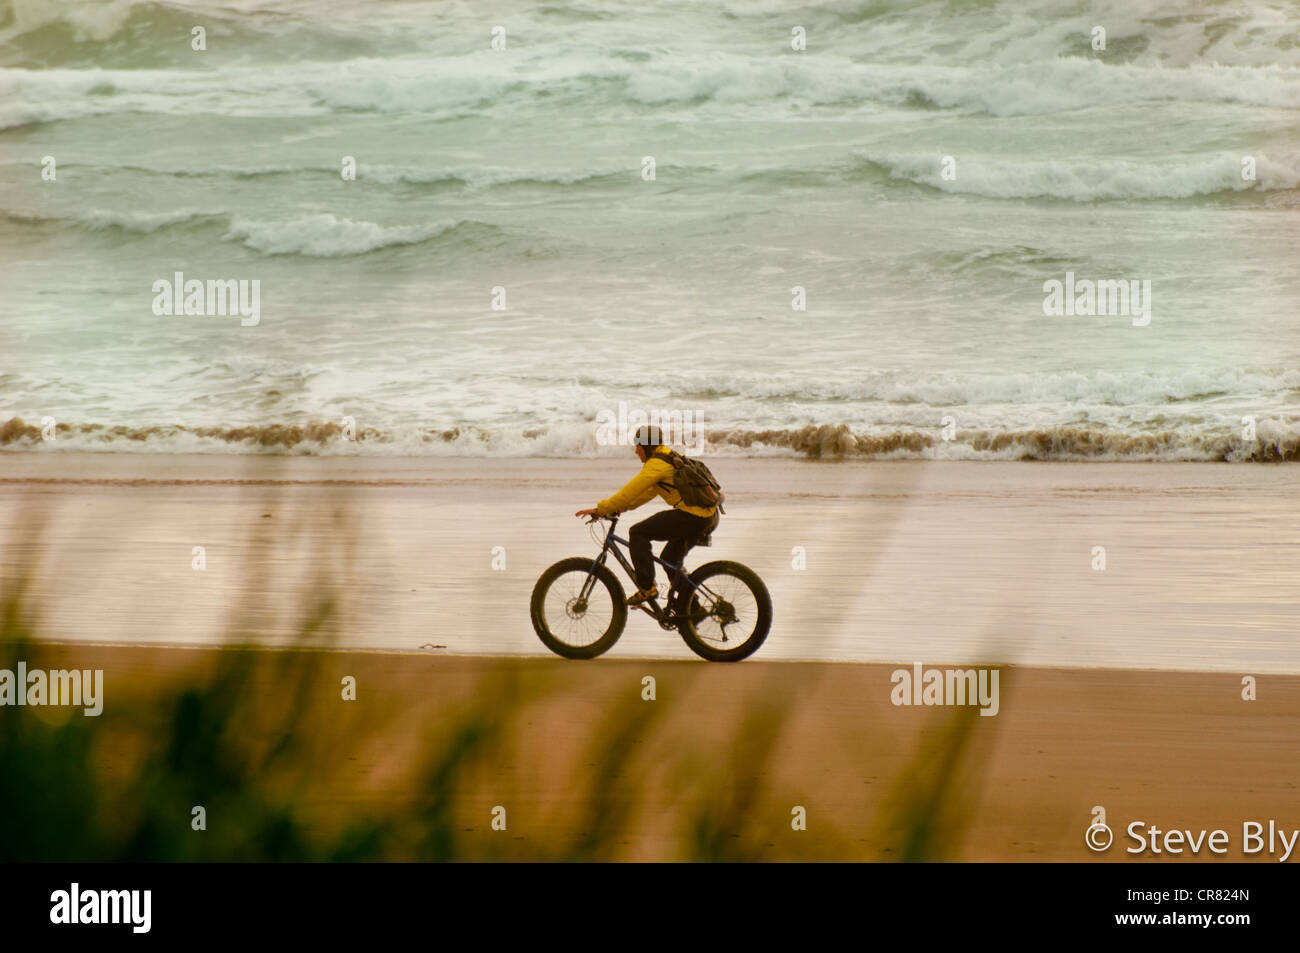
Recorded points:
571,624
727,618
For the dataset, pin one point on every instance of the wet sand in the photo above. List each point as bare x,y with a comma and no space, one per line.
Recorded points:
909,561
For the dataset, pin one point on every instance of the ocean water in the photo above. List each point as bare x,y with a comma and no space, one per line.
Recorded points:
502,272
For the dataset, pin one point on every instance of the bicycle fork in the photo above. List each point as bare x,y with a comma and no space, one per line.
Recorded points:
585,593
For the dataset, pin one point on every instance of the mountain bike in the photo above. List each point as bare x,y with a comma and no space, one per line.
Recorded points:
722,609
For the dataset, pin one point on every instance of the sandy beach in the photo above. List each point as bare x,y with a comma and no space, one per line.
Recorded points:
1120,687
905,562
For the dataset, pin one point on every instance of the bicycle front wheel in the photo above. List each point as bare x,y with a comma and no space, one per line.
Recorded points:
575,615
727,618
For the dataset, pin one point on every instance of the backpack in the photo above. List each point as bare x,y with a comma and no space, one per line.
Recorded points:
693,481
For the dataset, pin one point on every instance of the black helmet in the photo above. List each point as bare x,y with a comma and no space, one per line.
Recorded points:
650,438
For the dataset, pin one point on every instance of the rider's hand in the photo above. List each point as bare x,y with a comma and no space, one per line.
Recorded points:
585,513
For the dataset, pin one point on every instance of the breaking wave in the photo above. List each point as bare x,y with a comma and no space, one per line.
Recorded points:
1276,440
316,236
1091,180
608,83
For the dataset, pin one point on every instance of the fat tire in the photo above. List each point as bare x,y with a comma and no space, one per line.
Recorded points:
751,579
604,577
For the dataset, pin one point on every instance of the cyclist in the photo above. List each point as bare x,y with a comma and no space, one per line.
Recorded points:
683,526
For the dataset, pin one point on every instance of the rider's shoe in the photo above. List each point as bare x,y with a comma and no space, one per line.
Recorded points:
642,595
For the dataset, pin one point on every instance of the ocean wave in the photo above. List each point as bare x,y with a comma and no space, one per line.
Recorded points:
134,33
470,177
474,177
1276,440
1064,84
316,236
1094,389
600,82
98,23
486,177
328,236
1090,180
140,223
131,33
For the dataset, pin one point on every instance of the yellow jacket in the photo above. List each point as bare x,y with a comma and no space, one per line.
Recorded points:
643,487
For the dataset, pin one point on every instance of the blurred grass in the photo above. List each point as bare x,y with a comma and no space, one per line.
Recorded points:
257,739
936,795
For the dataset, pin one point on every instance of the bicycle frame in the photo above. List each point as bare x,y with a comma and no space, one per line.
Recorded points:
611,545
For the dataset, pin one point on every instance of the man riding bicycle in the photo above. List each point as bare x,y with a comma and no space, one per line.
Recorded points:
683,526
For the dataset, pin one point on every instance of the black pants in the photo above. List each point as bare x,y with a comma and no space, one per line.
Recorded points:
680,528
